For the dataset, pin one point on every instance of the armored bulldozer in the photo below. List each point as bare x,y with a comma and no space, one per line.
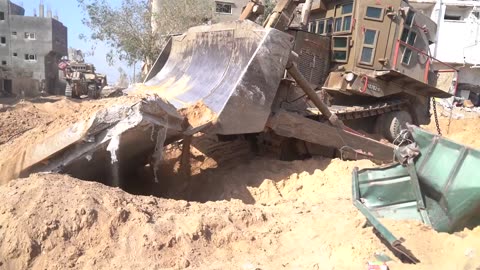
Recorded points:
82,80
362,67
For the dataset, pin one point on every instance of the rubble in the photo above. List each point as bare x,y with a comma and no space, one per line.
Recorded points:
129,129
111,91
264,213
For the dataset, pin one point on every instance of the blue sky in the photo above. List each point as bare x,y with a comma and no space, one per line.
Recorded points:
71,16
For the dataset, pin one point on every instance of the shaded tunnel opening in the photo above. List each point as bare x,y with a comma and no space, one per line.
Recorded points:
194,180
170,178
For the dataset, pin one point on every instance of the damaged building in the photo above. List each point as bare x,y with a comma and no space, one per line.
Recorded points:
30,47
457,40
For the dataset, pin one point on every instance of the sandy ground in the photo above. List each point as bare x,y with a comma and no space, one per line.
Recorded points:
24,121
264,214
257,214
464,131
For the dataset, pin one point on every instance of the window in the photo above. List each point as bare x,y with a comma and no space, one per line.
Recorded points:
322,26
329,28
4,63
343,17
476,14
31,36
453,17
338,24
312,27
15,54
3,40
14,33
225,8
30,57
340,49
2,16
374,13
408,36
368,49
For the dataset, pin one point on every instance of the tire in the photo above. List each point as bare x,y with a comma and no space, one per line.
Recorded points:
391,124
92,91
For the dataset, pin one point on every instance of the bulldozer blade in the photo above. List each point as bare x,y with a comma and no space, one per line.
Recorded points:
233,68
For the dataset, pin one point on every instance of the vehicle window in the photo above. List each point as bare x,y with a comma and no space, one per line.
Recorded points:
340,49
367,55
374,13
409,36
343,17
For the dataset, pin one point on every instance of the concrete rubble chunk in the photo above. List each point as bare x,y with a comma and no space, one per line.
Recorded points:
107,144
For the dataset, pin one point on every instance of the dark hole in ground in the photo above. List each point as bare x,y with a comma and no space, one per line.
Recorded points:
209,154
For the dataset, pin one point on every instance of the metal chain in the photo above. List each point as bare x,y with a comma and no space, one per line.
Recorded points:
434,105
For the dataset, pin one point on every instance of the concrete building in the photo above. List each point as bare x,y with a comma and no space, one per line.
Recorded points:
457,40
225,10
228,10
30,47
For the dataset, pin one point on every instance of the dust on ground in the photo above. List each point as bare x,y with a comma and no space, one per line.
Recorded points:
256,214
465,131
264,214
27,120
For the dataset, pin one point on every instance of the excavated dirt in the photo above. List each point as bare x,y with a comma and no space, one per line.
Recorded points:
464,131
272,215
256,214
198,114
26,121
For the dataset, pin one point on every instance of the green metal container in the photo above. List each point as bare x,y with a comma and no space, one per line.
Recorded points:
440,187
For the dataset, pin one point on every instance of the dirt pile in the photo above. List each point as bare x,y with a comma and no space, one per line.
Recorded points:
257,214
464,131
38,113
198,114
24,122
301,218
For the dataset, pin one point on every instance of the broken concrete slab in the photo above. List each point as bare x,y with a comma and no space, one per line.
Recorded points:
123,134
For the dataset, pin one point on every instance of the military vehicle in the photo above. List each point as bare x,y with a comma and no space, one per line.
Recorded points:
363,66
81,78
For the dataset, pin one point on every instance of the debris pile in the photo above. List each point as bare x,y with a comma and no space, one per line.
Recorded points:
230,211
128,128
301,218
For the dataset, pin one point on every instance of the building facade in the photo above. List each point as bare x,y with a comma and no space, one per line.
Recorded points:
30,48
228,10
458,40
224,10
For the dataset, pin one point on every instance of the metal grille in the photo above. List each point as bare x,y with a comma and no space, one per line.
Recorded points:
314,67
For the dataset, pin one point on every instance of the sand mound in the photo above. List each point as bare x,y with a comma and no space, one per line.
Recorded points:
257,214
464,131
302,218
26,121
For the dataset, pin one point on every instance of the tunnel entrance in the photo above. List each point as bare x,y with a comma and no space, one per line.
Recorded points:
177,176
